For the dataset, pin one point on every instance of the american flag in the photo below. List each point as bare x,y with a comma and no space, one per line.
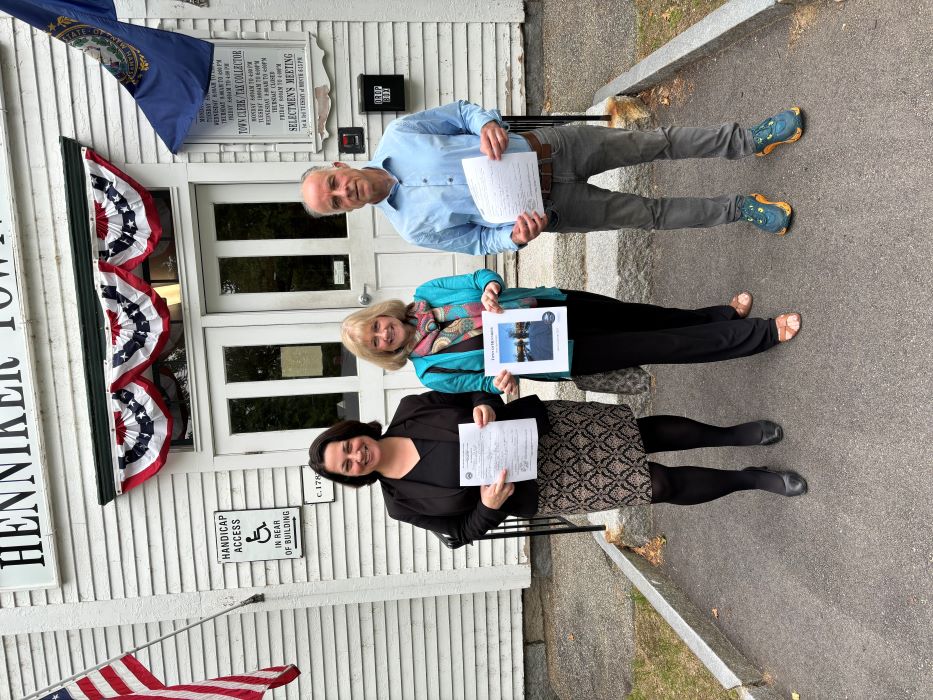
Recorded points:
128,679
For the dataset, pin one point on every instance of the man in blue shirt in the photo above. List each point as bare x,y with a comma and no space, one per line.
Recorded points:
416,178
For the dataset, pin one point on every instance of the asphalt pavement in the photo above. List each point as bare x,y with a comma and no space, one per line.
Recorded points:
830,593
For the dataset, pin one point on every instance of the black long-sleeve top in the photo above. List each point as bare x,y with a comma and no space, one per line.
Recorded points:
455,511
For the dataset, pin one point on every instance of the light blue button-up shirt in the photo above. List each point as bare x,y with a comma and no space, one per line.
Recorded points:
430,204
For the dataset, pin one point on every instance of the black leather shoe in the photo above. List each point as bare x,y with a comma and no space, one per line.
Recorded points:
771,432
794,484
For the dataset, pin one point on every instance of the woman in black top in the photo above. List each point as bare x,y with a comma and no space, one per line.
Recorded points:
591,457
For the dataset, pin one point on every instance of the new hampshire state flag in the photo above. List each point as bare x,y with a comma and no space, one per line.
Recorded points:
166,73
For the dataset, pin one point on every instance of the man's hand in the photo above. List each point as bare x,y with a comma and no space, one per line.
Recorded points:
505,382
490,297
495,495
483,415
528,227
493,140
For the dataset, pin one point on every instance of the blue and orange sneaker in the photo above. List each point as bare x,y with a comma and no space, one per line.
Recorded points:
773,217
784,127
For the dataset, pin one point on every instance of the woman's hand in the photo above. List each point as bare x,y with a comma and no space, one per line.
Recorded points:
493,140
495,495
490,298
483,414
505,382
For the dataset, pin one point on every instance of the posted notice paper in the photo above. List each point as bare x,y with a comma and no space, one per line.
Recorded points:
506,444
526,341
503,189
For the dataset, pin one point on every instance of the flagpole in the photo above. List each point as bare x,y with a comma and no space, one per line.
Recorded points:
257,598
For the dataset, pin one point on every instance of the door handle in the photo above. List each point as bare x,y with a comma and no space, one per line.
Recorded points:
364,298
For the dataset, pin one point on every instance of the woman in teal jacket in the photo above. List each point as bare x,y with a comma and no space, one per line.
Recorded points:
441,332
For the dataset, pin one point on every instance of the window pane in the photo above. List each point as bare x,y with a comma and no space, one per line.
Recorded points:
270,220
284,273
261,363
170,370
162,264
171,376
271,413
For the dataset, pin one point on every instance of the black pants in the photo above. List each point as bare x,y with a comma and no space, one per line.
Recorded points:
691,485
609,334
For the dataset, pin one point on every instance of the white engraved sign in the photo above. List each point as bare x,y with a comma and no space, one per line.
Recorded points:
258,92
27,543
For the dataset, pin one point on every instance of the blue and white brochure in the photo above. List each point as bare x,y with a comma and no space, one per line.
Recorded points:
526,341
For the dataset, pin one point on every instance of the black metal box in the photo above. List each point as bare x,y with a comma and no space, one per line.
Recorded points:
381,93
350,140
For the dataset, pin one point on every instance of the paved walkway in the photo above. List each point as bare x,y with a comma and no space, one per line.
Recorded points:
831,593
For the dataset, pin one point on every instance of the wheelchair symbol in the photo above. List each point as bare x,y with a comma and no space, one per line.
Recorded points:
261,534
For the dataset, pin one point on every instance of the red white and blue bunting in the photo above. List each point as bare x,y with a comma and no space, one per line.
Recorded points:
125,214
137,318
143,428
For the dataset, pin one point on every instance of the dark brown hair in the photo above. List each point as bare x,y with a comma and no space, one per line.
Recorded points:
344,430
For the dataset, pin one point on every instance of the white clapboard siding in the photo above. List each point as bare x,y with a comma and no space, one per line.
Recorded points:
154,540
437,647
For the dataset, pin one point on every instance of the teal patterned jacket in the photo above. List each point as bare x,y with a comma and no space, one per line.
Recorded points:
464,289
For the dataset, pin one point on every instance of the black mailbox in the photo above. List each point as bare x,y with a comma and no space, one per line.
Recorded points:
381,93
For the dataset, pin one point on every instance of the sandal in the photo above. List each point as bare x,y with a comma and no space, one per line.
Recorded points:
742,307
785,326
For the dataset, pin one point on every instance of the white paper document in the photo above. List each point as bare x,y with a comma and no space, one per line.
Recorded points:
526,341
506,444
503,189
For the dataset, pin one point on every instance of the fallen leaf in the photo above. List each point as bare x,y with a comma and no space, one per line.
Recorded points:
716,613
653,551
794,695
570,637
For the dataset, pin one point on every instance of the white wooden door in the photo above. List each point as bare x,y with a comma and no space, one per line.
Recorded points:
276,284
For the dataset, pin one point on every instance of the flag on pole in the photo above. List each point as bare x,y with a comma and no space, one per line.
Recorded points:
128,679
166,73
119,678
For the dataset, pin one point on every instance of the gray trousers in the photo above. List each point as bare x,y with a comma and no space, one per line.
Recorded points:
579,152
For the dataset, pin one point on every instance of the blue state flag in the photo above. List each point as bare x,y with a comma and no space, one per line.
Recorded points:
166,73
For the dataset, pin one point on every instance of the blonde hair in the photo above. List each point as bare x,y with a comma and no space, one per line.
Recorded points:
352,328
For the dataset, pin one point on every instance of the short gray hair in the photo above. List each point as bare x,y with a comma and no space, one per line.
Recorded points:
304,176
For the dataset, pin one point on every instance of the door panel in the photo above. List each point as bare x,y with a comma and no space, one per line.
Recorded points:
260,251
277,384
278,389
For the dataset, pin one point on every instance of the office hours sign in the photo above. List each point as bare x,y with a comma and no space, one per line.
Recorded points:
259,91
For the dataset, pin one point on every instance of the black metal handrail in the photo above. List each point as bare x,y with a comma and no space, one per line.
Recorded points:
526,123
523,527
